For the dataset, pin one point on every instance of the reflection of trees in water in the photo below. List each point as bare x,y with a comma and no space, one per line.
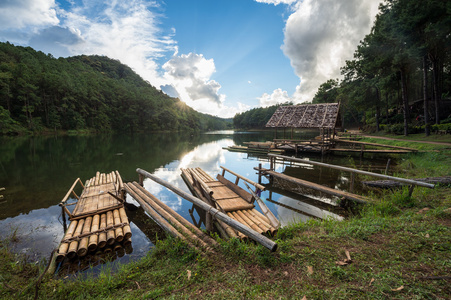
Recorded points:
38,171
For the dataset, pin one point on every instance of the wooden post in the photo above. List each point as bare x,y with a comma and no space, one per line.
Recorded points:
141,179
351,186
63,213
411,190
388,166
259,173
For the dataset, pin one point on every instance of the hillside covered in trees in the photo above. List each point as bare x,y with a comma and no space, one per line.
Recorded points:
39,92
255,118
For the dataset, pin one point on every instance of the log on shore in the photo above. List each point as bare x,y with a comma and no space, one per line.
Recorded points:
386,184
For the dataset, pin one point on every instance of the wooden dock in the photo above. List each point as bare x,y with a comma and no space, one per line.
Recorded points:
232,200
99,220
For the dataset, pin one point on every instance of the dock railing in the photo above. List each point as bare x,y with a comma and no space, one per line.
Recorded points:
410,182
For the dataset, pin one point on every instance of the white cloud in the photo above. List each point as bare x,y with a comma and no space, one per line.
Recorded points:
127,31
277,97
190,75
18,14
320,35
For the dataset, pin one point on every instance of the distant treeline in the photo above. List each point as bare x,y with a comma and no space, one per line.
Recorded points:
255,118
39,93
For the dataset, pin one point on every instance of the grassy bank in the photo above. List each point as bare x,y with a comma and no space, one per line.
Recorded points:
399,248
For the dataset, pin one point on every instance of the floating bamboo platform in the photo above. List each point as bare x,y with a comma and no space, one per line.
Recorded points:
99,220
232,200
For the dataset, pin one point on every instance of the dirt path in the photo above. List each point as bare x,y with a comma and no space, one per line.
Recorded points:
402,140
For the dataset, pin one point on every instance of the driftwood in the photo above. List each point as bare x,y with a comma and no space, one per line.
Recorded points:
386,184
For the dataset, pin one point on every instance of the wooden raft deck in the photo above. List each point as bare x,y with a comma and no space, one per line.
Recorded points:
228,198
98,221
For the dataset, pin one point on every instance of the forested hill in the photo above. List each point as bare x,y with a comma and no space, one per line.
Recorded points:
39,92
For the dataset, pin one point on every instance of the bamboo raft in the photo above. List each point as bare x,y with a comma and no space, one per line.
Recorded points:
232,200
99,220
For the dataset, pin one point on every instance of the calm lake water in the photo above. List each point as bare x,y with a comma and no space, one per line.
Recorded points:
36,173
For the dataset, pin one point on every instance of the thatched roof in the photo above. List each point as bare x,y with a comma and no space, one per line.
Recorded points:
305,116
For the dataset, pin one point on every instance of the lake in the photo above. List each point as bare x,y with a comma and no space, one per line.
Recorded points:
36,173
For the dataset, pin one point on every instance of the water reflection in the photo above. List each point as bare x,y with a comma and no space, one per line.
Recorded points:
38,171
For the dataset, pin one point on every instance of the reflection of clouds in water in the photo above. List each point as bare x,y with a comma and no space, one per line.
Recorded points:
38,232
288,216
207,156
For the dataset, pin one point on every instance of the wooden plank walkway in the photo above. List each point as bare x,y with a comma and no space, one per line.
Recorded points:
230,199
98,220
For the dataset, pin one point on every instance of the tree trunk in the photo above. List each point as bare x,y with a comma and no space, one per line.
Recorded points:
386,107
425,97
435,83
405,101
378,109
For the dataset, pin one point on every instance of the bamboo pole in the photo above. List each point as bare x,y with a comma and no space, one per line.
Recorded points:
248,221
179,218
64,246
110,238
93,239
69,191
102,235
264,208
256,221
156,217
126,228
83,245
97,181
271,245
168,217
118,231
404,180
73,246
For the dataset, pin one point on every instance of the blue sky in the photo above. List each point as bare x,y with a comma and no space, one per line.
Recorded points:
219,56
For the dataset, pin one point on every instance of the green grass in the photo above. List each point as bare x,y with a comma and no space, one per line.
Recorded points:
400,247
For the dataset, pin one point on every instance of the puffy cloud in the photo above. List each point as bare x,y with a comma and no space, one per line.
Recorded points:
320,35
277,97
16,14
190,75
55,40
